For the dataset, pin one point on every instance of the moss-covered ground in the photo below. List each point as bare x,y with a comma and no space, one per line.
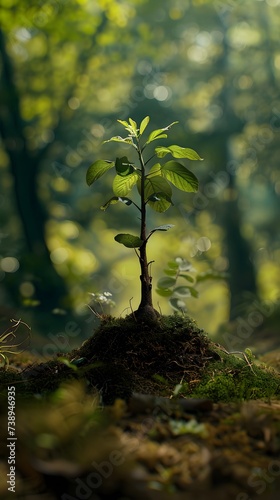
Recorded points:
179,418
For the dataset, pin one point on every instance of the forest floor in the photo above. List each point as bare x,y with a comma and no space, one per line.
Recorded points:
179,422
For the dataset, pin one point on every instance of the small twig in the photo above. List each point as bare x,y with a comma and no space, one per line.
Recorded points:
6,337
150,264
132,312
137,253
240,353
99,316
135,204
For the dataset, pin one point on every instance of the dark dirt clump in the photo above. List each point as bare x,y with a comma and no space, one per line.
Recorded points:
171,350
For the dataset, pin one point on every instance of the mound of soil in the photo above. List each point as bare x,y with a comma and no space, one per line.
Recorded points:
135,356
124,356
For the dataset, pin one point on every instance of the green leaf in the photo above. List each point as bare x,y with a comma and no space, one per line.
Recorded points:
122,185
155,170
115,199
180,176
178,152
158,134
128,240
157,184
170,272
165,227
162,151
157,193
166,282
177,304
124,123
144,124
112,201
182,291
160,202
194,292
118,138
164,292
173,264
187,277
97,169
133,125
158,196
123,166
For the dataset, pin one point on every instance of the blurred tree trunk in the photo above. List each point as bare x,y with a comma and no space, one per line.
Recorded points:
242,272
242,275
50,287
241,269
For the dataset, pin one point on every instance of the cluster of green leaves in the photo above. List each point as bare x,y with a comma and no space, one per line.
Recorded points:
154,186
182,270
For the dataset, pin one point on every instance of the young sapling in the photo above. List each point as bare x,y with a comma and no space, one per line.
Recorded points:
154,190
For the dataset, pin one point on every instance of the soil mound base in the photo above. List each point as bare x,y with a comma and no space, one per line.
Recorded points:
166,358
172,350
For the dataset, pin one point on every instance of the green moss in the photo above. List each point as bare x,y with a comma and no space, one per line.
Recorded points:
232,379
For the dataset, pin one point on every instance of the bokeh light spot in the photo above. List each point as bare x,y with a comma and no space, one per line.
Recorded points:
203,244
59,255
161,93
27,289
74,103
9,264
97,130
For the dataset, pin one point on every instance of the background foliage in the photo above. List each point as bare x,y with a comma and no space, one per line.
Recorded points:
69,70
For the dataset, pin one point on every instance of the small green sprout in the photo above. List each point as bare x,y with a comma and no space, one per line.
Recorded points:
183,271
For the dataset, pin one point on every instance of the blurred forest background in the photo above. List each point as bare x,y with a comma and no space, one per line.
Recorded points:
69,70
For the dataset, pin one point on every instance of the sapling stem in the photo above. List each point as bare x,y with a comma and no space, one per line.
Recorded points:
145,278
